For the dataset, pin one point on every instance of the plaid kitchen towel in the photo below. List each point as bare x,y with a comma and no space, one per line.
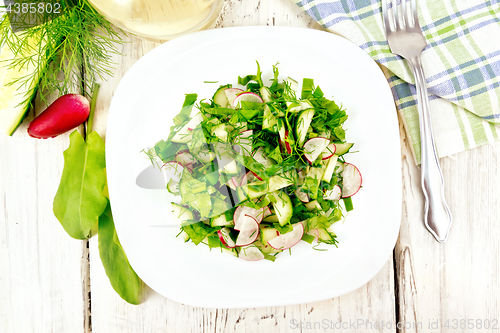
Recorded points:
461,64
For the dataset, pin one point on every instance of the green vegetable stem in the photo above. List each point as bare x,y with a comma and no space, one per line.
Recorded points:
83,209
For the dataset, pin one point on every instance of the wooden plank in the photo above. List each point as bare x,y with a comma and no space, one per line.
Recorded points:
41,281
373,302
456,281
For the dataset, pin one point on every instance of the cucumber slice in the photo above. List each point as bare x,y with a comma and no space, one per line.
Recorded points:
279,181
269,120
271,218
220,96
266,94
303,124
182,213
12,113
252,190
283,207
343,148
301,105
325,235
185,134
312,205
294,85
266,234
221,132
220,221
331,163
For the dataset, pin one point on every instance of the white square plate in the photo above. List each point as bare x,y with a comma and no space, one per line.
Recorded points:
152,93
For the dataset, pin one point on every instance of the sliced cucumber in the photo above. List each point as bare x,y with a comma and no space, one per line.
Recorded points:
300,106
185,134
220,96
231,168
331,163
303,123
182,213
269,120
252,190
316,172
221,132
12,93
279,181
325,235
266,234
294,85
220,221
173,187
283,207
271,218
313,205
343,148
266,94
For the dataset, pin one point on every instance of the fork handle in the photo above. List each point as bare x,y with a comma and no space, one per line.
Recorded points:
437,215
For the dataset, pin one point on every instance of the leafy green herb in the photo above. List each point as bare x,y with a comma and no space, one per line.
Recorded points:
121,275
76,49
79,200
197,231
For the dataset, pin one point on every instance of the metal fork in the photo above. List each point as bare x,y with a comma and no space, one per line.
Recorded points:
405,38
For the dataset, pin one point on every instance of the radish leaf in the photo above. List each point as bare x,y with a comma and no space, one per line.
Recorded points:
79,200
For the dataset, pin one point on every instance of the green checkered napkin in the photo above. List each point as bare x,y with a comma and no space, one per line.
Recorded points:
461,64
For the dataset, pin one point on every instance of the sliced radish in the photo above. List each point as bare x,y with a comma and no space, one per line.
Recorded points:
231,94
329,151
304,197
286,241
287,144
244,143
314,233
314,147
351,180
248,236
267,212
242,212
205,155
256,175
184,157
225,238
333,194
231,185
248,178
260,157
246,97
250,253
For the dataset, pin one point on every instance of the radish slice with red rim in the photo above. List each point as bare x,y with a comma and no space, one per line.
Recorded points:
248,236
250,253
334,194
352,180
329,151
286,241
225,238
314,147
246,97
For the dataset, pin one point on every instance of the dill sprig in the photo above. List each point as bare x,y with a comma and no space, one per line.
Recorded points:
73,50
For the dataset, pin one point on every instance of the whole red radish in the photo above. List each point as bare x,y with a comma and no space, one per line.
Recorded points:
67,112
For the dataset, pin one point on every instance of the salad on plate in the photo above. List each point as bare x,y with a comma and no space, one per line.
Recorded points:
258,168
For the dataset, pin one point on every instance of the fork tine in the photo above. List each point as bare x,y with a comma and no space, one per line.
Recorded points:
385,15
395,13
404,17
414,14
